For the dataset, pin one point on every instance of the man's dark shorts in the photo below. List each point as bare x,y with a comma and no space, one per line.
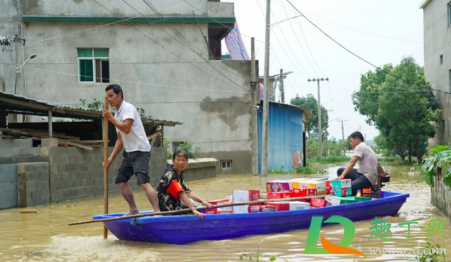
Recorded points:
136,162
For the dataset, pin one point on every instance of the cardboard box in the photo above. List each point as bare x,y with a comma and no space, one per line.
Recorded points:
319,186
297,192
218,210
329,190
279,195
244,196
255,208
299,205
280,206
278,186
268,208
367,192
341,187
244,209
318,202
336,200
312,192
361,199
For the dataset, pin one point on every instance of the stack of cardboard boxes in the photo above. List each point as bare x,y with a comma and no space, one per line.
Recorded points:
336,192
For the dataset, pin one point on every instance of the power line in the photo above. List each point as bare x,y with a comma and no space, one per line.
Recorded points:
299,43
283,49
155,42
185,42
354,54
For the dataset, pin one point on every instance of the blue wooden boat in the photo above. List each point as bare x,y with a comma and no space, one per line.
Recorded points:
183,229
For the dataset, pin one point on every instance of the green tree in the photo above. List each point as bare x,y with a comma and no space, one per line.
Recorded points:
401,104
311,104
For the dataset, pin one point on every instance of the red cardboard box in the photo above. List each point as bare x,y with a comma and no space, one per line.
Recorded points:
329,189
279,195
280,206
318,202
311,192
297,192
216,210
255,209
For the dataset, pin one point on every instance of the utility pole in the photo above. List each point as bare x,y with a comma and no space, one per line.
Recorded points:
264,167
342,131
327,144
17,84
254,111
282,92
319,114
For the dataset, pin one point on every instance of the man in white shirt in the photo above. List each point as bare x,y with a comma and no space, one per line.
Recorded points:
366,176
131,136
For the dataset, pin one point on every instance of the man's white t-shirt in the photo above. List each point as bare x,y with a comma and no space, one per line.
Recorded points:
136,140
367,162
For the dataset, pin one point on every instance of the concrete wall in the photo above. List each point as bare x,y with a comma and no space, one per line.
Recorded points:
10,13
113,8
77,173
33,184
157,69
437,42
441,196
8,186
200,168
71,173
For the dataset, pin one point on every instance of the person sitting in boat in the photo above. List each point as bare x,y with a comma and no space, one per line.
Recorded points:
366,176
172,190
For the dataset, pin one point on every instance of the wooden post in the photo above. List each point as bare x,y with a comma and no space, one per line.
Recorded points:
105,168
50,120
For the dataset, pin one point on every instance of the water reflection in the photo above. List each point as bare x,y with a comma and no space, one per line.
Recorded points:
45,236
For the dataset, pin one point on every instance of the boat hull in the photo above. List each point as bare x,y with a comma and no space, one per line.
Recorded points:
183,229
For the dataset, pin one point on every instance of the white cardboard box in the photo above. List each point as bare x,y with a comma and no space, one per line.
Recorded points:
299,205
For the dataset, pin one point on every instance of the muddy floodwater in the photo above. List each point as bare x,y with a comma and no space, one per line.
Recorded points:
46,236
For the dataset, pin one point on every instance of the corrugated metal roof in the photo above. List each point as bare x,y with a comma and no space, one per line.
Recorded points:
16,104
22,104
308,114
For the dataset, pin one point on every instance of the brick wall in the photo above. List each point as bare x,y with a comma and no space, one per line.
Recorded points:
33,184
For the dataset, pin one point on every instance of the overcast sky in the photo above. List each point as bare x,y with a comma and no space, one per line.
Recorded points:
380,31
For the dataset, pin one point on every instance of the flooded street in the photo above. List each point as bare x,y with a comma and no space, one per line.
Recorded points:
46,236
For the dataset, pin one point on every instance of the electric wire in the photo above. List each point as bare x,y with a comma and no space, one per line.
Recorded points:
155,42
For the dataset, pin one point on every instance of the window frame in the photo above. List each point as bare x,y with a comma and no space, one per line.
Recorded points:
228,164
93,60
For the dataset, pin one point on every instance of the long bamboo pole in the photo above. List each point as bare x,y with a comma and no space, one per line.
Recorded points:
186,210
105,167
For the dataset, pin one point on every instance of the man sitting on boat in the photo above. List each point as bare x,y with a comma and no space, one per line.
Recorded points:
366,176
172,190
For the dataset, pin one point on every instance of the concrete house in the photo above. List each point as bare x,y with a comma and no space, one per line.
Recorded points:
166,54
437,60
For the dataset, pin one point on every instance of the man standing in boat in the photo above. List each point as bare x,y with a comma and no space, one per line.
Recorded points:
366,176
131,136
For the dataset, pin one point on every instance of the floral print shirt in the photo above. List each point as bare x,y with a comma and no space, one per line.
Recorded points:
166,200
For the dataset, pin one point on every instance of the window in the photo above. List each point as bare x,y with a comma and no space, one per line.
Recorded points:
441,59
94,65
226,164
